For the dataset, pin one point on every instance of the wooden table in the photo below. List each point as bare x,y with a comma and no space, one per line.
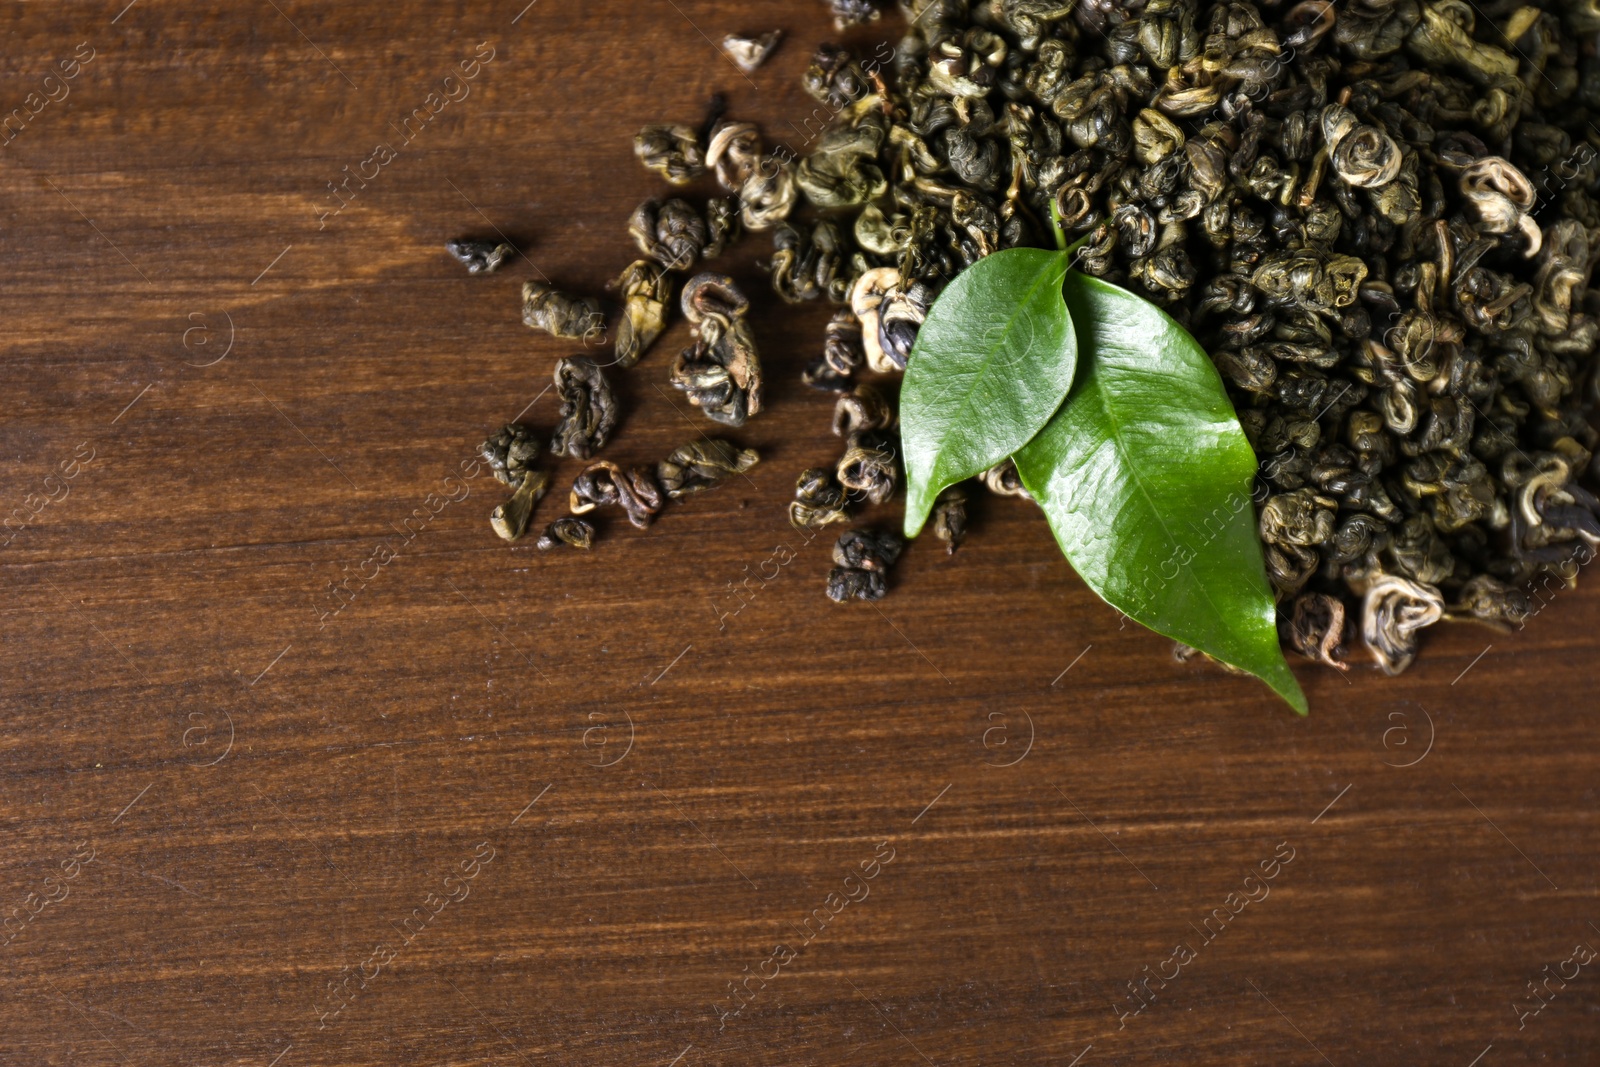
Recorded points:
514,807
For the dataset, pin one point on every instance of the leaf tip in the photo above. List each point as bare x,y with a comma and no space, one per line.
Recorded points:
922,489
916,518
1287,686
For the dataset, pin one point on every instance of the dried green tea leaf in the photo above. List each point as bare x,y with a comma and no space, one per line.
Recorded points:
848,13
834,77
703,464
869,467
510,454
479,256
891,314
862,409
841,357
1316,629
721,373
847,583
950,517
1003,480
588,408
606,484
671,151
843,170
749,52
1393,612
1493,603
559,315
734,153
819,500
863,559
722,226
768,196
566,531
510,520
672,232
795,264
646,291
868,550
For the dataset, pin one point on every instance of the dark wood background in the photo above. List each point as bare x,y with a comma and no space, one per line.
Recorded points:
268,795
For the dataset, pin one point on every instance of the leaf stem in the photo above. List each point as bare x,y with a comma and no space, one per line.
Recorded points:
1055,225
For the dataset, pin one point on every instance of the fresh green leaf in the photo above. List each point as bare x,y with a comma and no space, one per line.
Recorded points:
991,364
1145,477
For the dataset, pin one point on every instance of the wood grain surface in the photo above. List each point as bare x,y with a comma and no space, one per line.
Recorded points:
509,807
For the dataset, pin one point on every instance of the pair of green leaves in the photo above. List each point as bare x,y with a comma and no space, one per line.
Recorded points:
1120,428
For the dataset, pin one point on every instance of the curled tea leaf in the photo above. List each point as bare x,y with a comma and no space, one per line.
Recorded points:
510,454
950,517
749,52
863,408
646,291
560,315
1316,281
848,13
588,408
671,151
819,500
868,467
868,550
1502,197
1300,518
834,77
722,226
847,583
841,354
672,232
734,153
479,256
768,196
1392,613
1003,480
1316,629
814,262
721,373
510,520
566,531
891,316
703,464
863,559
841,347
606,484
1488,600
1367,157
843,171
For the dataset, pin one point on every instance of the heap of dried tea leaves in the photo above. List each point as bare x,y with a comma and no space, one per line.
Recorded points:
1328,307
1378,219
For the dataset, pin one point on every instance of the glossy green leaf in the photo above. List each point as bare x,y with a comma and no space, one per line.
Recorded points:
1145,477
992,363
